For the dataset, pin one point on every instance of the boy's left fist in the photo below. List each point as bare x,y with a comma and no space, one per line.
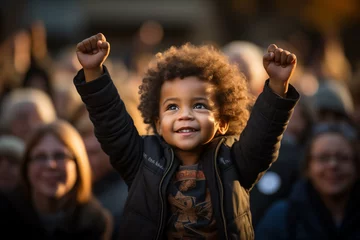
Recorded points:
279,65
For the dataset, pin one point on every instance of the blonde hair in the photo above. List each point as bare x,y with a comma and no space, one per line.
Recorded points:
20,97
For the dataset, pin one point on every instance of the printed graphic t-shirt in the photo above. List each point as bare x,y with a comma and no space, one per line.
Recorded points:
191,215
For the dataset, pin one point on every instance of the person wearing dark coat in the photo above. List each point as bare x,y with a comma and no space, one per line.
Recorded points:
325,203
54,199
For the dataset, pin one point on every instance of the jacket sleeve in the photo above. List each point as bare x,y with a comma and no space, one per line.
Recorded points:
259,143
114,127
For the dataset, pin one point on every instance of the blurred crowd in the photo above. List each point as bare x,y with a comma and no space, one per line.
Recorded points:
55,180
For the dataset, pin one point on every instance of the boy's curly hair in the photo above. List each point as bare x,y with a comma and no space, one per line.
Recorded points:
208,64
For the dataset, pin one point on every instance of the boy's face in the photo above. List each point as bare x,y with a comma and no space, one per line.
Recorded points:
187,111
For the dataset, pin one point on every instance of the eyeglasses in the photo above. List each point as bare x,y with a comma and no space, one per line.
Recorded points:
59,157
325,158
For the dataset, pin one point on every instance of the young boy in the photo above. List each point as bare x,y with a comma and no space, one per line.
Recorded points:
191,180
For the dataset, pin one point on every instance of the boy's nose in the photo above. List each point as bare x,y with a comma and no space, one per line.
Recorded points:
186,114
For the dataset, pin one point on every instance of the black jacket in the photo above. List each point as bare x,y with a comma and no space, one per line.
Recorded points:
232,165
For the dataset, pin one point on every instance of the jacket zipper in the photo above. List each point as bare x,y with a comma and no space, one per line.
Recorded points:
221,189
161,197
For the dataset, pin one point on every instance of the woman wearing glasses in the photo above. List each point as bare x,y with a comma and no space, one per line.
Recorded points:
325,204
55,200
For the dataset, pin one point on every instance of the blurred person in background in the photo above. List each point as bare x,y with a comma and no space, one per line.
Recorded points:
301,123
39,78
333,103
54,200
248,57
325,203
333,64
67,103
107,185
354,87
11,153
14,61
278,181
39,53
24,109
129,91
143,48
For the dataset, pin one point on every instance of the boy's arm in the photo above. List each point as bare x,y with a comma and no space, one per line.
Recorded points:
114,127
259,143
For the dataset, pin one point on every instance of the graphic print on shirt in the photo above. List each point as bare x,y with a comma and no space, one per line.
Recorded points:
191,209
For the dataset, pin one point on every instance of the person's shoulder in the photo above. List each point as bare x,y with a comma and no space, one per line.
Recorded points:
273,223
92,208
275,216
276,213
14,199
5,202
15,210
93,215
279,207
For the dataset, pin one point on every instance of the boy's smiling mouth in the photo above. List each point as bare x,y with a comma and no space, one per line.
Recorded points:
186,130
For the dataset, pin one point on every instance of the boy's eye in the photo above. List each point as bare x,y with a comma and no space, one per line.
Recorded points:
200,106
172,107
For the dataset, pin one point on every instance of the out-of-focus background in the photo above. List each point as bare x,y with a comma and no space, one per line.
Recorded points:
219,21
313,29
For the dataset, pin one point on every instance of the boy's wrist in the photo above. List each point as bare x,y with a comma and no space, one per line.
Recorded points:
279,88
93,73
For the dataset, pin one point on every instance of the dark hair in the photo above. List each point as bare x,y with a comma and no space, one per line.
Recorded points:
343,129
36,70
206,63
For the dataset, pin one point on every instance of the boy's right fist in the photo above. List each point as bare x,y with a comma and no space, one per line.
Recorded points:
92,53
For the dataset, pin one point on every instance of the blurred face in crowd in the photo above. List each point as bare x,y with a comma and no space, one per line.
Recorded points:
52,169
332,167
9,173
26,118
98,159
297,124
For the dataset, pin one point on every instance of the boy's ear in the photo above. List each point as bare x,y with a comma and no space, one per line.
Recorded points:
223,127
157,125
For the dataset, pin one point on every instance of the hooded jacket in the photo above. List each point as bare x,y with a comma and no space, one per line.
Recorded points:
232,164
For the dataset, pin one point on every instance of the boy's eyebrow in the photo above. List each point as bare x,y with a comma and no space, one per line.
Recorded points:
176,99
169,100
200,98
